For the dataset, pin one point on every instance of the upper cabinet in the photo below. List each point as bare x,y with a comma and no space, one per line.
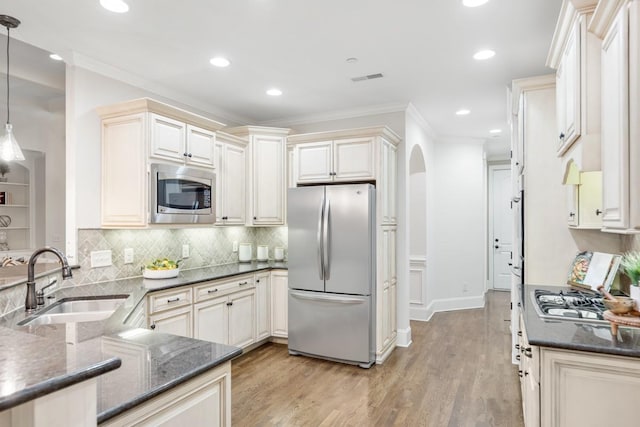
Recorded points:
231,179
182,143
348,159
267,175
617,23
137,133
575,54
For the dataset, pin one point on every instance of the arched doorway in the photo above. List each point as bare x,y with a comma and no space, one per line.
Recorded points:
417,235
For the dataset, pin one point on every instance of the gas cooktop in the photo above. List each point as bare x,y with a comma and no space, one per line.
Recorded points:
569,305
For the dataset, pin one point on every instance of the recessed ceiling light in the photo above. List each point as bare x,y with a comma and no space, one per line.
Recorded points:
220,61
55,57
495,131
483,54
474,3
463,112
352,60
274,92
117,6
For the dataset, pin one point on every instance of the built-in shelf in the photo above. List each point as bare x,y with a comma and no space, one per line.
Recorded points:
15,184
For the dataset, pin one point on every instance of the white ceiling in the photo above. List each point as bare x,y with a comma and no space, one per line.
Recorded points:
424,49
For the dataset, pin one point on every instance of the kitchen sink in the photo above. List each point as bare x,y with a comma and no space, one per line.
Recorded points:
76,310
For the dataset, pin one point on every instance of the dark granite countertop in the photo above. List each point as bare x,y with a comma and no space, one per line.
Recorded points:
576,335
100,346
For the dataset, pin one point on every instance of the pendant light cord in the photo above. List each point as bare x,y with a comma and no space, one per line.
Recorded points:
8,38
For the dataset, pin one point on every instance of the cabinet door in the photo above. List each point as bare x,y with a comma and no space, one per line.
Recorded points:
268,180
242,321
384,293
570,80
353,159
279,304
389,159
263,305
211,321
176,322
167,138
314,162
234,184
200,146
590,199
218,165
572,205
615,125
124,158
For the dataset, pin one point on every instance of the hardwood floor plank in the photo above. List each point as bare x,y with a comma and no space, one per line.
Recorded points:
457,372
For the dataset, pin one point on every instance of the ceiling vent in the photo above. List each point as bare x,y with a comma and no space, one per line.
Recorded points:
367,77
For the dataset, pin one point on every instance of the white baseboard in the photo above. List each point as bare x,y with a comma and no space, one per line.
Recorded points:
381,357
446,304
404,337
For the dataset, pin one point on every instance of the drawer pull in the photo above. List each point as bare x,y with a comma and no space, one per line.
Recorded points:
243,283
212,291
176,299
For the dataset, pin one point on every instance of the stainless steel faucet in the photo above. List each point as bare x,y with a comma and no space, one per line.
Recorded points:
31,302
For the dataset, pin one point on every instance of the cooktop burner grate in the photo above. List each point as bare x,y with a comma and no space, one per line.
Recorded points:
569,305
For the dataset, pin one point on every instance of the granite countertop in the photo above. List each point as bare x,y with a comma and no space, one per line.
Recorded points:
575,335
150,362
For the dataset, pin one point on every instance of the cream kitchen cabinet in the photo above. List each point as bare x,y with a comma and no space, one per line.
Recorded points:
572,381
575,54
388,177
267,173
227,319
231,180
202,401
128,147
348,159
590,200
181,143
170,312
387,297
618,24
279,303
529,373
263,305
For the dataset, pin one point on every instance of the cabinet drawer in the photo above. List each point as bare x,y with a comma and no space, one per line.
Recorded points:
222,287
167,300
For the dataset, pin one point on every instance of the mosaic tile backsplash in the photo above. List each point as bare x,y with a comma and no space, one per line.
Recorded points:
207,246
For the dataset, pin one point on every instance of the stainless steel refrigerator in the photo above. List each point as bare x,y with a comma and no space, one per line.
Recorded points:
332,272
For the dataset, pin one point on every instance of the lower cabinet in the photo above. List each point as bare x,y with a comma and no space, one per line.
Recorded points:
529,372
237,311
226,320
279,303
588,389
263,305
202,401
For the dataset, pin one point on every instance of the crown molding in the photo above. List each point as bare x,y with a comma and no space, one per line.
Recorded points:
547,81
337,115
604,15
421,121
382,131
82,61
261,130
570,11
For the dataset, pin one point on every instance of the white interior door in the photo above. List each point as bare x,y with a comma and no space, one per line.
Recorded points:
500,227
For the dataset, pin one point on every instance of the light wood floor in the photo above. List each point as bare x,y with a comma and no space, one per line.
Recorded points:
457,372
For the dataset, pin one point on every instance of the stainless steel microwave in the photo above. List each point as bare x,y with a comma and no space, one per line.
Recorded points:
181,195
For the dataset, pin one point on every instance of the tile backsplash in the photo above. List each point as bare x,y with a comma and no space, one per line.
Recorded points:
207,246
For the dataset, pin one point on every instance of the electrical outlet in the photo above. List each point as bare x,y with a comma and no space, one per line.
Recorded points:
235,246
185,251
128,256
100,259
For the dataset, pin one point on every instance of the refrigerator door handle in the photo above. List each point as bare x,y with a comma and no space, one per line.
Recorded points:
319,241
326,244
327,298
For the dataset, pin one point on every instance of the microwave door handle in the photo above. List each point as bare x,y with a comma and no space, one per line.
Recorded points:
319,241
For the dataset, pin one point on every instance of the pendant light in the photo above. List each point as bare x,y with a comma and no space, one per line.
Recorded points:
9,148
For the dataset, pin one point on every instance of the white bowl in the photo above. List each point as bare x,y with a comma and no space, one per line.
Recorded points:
160,274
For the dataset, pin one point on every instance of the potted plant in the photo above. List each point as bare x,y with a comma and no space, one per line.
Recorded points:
4,169
630,265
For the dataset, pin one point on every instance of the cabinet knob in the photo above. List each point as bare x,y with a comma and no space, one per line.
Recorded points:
517,357
257,280
255,217
497,246
189,155
230,303
184,154
598,211
153,326
562,135
520,373
572,214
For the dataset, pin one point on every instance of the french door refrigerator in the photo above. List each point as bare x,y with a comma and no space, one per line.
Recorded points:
332,272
